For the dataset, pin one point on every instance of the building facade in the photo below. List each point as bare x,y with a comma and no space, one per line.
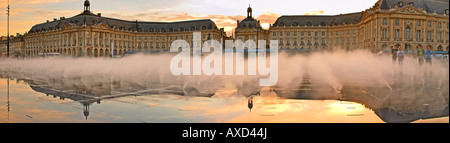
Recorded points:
406,23
250,29
389,23
92,35
16,46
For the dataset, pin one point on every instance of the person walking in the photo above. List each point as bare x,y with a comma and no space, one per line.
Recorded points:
400,55
428,55
394,54
420,54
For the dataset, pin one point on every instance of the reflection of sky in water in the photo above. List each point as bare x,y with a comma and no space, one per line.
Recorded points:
30,106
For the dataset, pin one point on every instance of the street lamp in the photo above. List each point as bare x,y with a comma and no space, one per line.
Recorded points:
7,43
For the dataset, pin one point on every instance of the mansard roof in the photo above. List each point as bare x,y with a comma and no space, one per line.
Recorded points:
317,20
89,19
428,5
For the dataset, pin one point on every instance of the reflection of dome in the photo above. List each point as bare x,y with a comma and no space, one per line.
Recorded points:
86,113
86,110
250,103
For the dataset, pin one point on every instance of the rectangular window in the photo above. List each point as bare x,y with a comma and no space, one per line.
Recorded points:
384,34
419,35
407,33
397,22
419,23
429,35
384,21
397,34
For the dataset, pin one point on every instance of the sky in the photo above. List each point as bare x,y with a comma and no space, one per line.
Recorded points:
27,13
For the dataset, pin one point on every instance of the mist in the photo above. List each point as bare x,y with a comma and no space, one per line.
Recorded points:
139,72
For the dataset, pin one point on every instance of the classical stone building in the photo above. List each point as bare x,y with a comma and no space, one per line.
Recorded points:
250,29
92,35
407,23
16,46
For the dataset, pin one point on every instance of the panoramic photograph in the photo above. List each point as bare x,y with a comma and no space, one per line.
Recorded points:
233,61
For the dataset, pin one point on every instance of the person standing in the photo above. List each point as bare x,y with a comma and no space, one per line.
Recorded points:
394,54
400,55
420,54
428,55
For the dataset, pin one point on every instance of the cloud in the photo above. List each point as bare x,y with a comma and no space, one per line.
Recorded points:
315,12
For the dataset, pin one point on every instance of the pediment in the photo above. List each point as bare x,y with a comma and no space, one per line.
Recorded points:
409,10
101,26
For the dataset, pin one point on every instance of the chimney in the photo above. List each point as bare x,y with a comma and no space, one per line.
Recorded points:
54,19
237,22
48,21
99,14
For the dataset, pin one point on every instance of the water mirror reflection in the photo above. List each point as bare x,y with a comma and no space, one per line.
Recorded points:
112,93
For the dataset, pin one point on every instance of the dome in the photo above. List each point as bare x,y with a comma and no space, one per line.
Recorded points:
87,3
249,22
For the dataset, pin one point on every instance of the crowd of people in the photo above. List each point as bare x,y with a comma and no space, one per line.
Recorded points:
398,55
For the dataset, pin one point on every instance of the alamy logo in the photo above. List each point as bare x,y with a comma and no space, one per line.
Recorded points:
257,59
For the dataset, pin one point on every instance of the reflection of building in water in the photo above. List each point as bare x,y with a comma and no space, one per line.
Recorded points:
93,90
86,110
85,100
411,102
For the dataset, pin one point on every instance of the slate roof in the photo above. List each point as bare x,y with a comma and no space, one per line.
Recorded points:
316,20
91,19
249,22
428,5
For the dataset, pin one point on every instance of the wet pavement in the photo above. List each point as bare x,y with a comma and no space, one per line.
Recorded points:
46,101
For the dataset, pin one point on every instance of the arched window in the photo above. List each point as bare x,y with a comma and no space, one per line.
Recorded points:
151,30
295,24
171,30
163,30
192,28
411,4
281,24
309,24
323,24
204,28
